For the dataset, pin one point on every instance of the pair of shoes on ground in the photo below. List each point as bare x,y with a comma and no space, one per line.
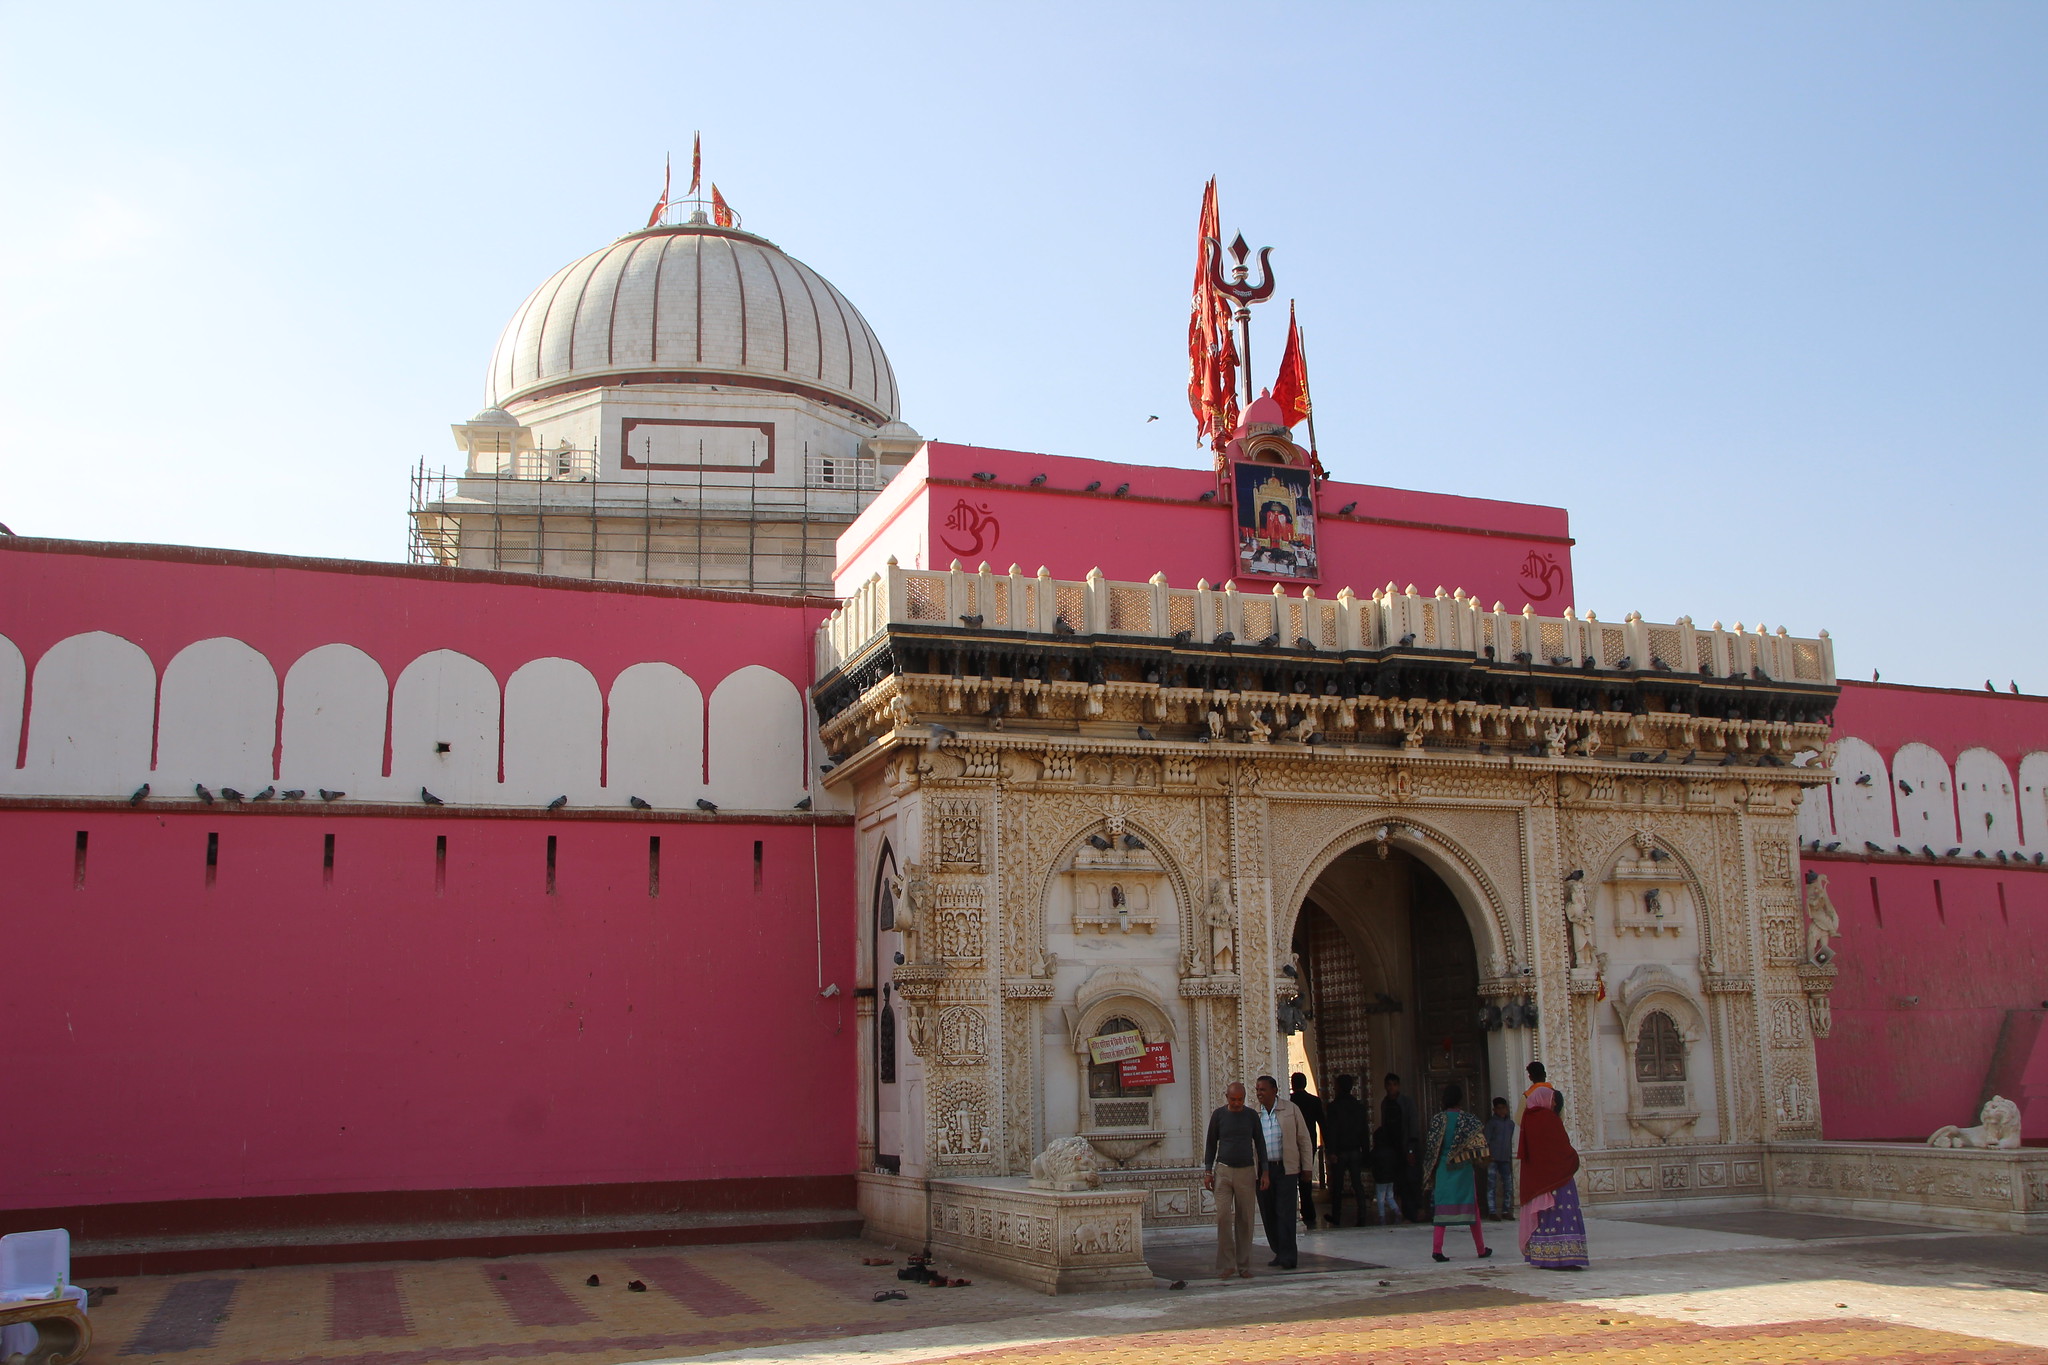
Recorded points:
1242,1274
1439,1256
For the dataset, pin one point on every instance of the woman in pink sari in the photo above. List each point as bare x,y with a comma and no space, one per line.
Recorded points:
1553,1231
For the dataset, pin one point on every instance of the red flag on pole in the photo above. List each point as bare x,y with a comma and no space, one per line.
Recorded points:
661,204
721,212
1290,389
696,163
1201,312
1212,347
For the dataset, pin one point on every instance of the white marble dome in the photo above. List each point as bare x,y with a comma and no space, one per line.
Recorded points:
693,304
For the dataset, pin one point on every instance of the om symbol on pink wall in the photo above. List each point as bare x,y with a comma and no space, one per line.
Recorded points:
977,525
1542,576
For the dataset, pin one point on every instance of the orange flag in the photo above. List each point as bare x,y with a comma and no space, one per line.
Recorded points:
696,163
661,204
1212,346
721,212
1290,389
1201,317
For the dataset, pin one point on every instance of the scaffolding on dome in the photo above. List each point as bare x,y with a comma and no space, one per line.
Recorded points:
551,513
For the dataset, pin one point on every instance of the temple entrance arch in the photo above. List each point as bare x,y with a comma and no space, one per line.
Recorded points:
1391,953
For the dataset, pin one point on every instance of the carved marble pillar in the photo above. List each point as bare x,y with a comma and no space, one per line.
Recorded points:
1251,888
1791,1098
1567,1048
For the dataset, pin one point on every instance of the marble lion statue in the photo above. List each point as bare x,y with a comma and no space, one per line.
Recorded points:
2000,1128
1069,1163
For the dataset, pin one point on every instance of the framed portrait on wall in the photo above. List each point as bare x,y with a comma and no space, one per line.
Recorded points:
1276,522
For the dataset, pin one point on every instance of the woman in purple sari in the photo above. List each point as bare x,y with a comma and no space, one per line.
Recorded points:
1553,1231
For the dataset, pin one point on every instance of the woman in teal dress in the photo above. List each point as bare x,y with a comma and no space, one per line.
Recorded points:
1454,1151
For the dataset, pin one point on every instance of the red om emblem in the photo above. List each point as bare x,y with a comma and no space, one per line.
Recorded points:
1542,576
977,525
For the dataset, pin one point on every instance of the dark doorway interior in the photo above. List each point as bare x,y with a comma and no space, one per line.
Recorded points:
1392,977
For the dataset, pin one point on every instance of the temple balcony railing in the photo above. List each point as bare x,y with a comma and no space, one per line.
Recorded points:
1391,617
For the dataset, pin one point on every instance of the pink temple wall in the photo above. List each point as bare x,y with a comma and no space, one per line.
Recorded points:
935,512
1942,991
277,1034
272,1034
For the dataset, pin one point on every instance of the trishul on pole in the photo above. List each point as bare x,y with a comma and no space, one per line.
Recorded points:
1244,293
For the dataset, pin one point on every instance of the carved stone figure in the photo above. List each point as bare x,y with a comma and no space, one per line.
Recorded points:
913,895
1069,1163
1221,918
1257,730
1215,719
1578,919
1998,1126
1555,737
1819,1014
1823,921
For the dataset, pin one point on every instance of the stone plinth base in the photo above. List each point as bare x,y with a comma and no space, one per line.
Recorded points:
893,1209
1056,1241
1640,1180
1961,1187
1174,1197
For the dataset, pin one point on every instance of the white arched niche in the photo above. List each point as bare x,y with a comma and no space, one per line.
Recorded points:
1861,793
554,733
2034,800
217,719
336,703
655,737
1926,804
756,741
444,729
1984,801
92,715
1816,816
13,693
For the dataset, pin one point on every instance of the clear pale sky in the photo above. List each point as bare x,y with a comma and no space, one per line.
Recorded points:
1758,291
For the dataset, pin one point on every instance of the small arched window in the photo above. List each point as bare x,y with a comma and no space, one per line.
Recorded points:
1106,1079
1660,1049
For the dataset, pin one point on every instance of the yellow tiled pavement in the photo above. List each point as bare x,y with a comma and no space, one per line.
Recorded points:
1452,1327
733,1297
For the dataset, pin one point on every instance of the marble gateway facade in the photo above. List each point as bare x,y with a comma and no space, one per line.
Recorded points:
1085,808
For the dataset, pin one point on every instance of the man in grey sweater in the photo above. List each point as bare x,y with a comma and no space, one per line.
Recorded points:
1234,1164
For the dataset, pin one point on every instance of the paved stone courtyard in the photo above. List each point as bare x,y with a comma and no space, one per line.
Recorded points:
1754,1287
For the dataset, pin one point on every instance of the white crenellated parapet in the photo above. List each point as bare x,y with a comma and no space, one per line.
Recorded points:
100,724
1918,801
1439,620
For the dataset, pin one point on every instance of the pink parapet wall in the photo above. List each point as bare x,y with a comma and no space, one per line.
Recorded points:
217,1002
405,1022
164,597
1941,993
936,511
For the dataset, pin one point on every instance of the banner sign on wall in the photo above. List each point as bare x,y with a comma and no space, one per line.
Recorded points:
1154,1068
1116,1047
